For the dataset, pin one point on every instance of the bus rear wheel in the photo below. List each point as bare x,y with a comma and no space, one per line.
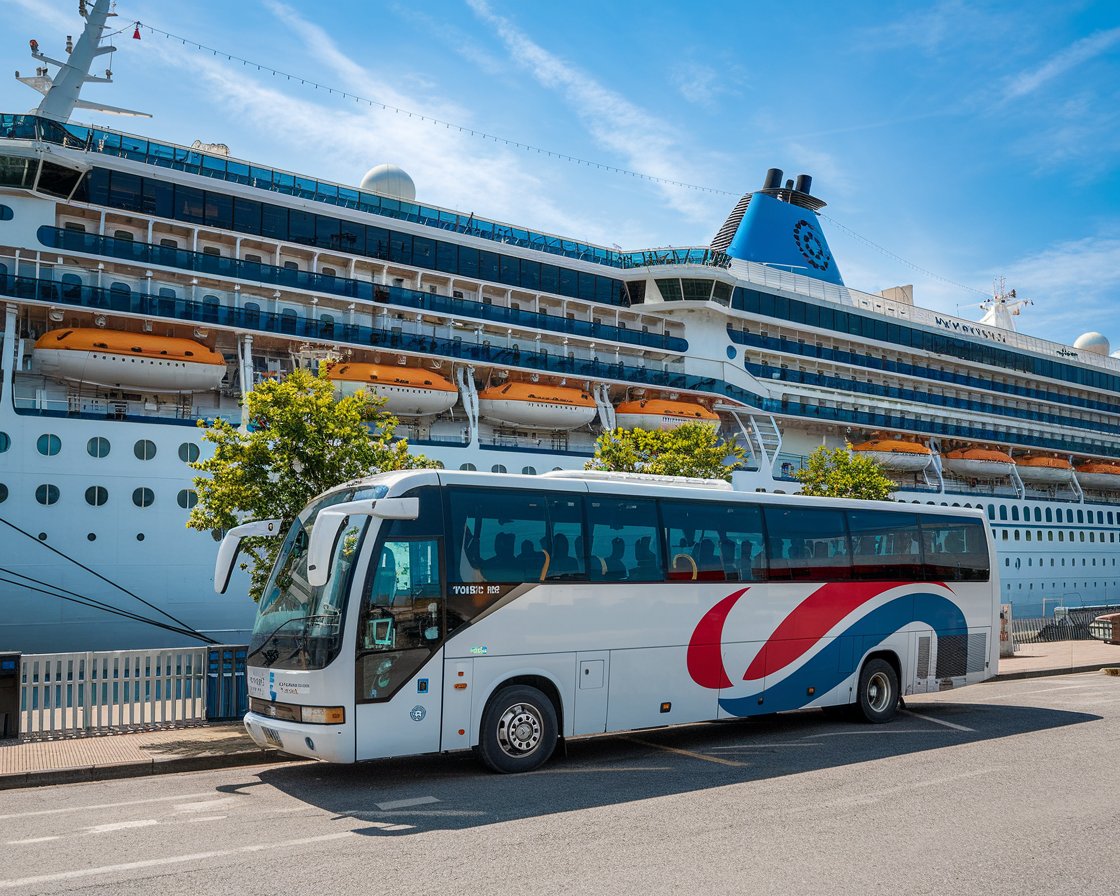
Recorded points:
878,691
519,730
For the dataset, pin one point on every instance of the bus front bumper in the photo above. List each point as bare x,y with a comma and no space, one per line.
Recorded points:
329,743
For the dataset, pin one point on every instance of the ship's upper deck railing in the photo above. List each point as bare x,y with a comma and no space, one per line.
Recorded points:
801,285
194,161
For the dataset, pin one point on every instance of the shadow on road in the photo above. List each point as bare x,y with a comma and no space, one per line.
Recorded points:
452,791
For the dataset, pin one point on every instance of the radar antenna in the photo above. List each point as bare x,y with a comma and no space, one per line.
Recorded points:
61,92
1002,307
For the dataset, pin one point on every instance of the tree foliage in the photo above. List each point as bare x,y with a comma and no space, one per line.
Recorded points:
842,473
692,449
302,440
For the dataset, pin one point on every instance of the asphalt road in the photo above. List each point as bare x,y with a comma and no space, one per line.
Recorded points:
1005,787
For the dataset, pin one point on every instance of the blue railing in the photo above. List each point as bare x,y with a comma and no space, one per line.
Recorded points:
192,161
273,275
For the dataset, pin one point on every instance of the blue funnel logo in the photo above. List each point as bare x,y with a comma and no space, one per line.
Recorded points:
784,236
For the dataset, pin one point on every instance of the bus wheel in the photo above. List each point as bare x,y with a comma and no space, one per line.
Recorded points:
518,730
878,691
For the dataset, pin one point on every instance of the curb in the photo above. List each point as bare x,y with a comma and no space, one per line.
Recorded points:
1046,673
144,768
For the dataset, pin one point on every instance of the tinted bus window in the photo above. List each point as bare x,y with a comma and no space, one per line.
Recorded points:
714,542
807,544
625,543
955,549
885,545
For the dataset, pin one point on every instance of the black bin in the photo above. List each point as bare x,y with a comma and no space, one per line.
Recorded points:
9,695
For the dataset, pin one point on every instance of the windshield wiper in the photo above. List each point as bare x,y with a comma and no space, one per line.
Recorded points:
271,636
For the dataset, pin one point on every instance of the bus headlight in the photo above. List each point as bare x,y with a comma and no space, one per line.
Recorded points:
324,715
291,712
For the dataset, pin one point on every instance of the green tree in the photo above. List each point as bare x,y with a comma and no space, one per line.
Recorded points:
842,473
692,449
303,441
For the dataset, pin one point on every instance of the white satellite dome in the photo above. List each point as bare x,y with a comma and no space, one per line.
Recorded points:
389,180
1092,342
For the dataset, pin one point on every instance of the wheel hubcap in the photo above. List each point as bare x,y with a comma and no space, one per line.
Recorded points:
878,692
519,729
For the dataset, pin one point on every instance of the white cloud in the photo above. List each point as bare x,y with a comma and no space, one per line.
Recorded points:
1026,83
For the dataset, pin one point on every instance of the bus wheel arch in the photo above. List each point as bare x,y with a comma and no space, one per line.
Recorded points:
877,691
520,725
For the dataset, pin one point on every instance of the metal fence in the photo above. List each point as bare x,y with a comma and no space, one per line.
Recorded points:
1067,624
97,692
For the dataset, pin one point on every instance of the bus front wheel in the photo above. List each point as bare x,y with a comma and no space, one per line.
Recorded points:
519,730
878,691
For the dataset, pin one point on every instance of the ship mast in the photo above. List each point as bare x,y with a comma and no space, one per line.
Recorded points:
1002,307
61,92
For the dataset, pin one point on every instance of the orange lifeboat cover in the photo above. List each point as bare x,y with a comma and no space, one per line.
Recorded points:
662,407
388,375
517,391
1052,463
988,454
1099,467
900,446
121,342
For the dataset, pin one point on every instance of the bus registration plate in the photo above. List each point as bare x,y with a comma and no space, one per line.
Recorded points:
272,736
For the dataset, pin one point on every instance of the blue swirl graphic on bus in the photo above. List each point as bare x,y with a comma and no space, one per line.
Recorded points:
829,666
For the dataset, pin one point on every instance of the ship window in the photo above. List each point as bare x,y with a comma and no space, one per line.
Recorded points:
1015,514
188,452
1080,516
1003,511
126,235
991,511
143,497
47,494
97,447
467,466
6,213
187,498
3,493
75,226
211,250
48,445
144,449
5,442
529,471
498,468
1049,515
97,495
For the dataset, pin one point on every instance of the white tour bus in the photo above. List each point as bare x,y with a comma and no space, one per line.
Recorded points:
428,610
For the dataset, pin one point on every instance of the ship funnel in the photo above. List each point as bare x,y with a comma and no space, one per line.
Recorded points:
804,183
773,179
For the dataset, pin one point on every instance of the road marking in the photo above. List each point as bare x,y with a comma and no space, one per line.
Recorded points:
31,840
171,860
406,804
688,753
120,826
599,770
866,799
201,818
953,725
757,747
875,731
207,804
158,799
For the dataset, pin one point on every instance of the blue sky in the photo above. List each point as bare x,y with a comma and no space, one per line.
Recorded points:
973,140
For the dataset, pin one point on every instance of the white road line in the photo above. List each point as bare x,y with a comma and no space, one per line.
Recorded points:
405,804
598,770
31,840
740,749
953,725
878,729
158,799
866,799
688,753
207,804
170,860
120,826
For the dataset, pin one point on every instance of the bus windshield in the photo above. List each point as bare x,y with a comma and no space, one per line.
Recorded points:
299,626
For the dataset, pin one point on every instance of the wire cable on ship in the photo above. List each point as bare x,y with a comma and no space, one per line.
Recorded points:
61,593
187,629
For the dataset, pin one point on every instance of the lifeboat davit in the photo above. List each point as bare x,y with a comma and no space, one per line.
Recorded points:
408,391
537,405
660,413
1098,474
896,454
1044,470
118,359
978,463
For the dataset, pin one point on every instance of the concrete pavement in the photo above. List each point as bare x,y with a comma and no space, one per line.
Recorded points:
38,762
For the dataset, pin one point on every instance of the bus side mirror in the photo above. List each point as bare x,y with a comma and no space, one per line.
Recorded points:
231,547
328,524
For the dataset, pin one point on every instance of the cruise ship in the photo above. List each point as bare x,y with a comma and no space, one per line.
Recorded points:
146,286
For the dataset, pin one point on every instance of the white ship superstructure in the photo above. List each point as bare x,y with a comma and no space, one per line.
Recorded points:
146,285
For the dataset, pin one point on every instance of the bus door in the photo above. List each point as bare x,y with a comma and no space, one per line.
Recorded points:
592,675
399,673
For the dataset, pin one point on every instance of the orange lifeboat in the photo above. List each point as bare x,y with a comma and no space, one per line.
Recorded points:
1044,470
661,413
537,405
408,391
896,454
118,359
978,463
1099,474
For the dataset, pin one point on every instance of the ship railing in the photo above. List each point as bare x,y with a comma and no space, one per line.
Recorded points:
102,691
